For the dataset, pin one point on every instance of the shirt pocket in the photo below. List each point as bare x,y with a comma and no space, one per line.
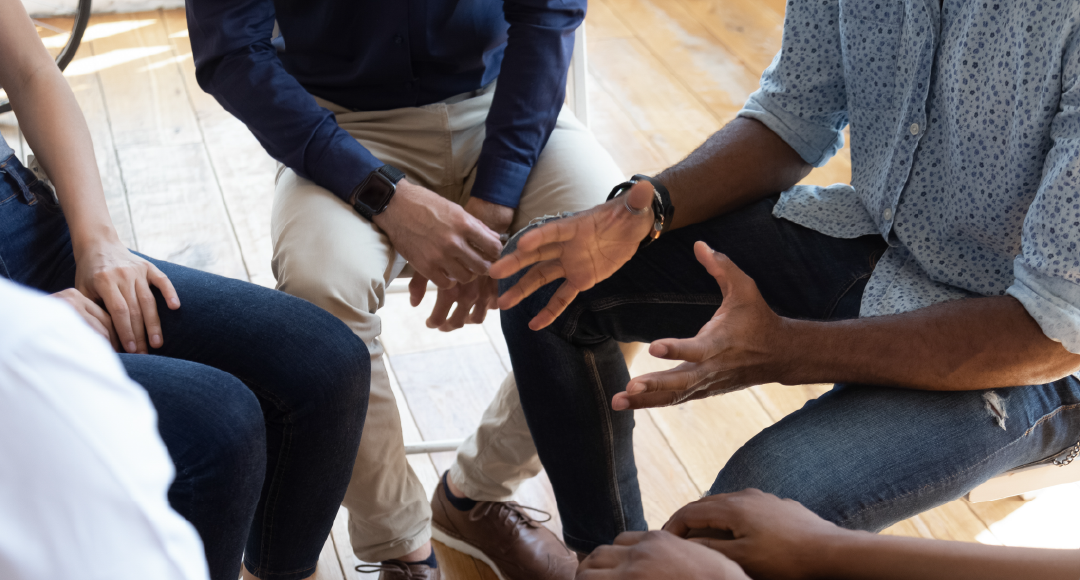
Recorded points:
870,33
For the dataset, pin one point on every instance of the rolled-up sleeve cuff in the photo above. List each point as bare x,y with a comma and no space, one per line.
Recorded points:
1052,302
814,143
500,181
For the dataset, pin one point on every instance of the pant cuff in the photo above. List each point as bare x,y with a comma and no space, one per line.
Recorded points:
396,549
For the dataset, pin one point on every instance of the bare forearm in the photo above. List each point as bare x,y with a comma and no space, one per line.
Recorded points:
56,131
860,555
54,126
743,162
975,343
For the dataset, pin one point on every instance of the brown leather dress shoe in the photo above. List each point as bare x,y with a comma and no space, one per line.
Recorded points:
503,536
398,570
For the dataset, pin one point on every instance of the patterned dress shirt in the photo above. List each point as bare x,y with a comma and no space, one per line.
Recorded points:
965,145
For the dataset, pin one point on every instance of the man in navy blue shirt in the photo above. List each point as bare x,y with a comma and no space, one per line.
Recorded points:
397,147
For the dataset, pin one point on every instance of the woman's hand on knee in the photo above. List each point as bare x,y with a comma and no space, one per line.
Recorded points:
110,274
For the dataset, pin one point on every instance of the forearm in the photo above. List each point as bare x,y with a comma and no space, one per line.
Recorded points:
743,162
975,343
55,129
861,555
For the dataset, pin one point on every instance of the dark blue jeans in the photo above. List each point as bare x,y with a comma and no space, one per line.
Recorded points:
261,397
861,456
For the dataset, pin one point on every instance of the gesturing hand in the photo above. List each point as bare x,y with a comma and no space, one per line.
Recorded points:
652,555
771,537
585,249
439,239
738,348
109,273
93,314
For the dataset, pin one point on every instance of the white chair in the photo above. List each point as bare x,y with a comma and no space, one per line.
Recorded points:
577,100
1024,481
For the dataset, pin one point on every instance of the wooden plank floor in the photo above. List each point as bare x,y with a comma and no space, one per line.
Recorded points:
185,181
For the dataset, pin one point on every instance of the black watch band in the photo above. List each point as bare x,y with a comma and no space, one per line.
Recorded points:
371,197
662,209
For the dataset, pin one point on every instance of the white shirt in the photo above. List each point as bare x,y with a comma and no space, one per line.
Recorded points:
83,471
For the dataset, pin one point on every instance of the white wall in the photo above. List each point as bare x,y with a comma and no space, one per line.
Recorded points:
55,7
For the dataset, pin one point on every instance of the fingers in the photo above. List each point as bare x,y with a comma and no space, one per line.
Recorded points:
558,303
148,306
630,538
533,280
117,305
605,558
679,378
138,324
444,301
553,232
520,259
486,242
417,289
694,349
164,285
719,266
99,320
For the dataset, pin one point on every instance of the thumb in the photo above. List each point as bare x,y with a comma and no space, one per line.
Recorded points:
719,266
640,195
417,289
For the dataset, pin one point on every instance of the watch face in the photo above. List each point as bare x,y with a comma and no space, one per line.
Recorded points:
375,193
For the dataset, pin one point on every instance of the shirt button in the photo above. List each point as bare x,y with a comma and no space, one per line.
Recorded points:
914,128
887,214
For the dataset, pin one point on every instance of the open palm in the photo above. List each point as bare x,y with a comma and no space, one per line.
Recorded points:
584,249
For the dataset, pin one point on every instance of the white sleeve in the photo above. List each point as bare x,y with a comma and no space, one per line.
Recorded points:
83,471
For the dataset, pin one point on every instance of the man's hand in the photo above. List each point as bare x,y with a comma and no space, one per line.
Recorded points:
585,249
739,347
93,314
770,537
652,555
439,239
473,300
495,216
109,273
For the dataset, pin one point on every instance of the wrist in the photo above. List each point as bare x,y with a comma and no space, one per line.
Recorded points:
801,343
87,240
829,555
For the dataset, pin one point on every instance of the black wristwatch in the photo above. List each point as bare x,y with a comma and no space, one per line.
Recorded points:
662,209
371,197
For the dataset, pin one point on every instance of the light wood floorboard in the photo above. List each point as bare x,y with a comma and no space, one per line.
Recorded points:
185,181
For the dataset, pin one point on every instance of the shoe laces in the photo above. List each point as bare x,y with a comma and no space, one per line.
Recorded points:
400,567
512,508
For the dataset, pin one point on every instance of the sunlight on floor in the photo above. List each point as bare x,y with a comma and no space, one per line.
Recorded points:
97,31
93,64
1048,521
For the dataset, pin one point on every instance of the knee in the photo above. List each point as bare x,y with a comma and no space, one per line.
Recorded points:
336,367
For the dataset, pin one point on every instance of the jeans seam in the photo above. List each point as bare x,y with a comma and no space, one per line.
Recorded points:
956,476
840,295
609,440
267,533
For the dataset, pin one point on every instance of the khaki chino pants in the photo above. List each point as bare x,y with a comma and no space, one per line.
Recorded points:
327,254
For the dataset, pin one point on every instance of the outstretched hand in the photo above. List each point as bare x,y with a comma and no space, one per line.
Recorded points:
585,249
767,536
739,347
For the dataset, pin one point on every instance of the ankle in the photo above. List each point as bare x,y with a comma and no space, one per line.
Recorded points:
418,555
456,498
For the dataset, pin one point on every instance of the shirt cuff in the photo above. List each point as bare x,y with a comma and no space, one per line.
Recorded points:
500,181
343,166
1052,302
814,143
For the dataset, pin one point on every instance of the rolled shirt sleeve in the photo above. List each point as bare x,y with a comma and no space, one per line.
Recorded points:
1047,271
803,97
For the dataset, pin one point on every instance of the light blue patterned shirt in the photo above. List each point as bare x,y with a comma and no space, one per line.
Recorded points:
965,145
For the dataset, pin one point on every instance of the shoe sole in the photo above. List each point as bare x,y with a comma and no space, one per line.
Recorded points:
464,547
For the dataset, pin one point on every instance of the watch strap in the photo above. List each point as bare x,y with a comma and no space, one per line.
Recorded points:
663,210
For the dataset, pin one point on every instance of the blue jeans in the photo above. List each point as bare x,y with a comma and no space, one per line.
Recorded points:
261,397
861,456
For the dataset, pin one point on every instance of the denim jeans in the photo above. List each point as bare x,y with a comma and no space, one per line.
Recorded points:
861,456
261,397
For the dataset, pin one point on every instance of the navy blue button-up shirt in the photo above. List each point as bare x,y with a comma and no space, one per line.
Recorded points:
376,55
